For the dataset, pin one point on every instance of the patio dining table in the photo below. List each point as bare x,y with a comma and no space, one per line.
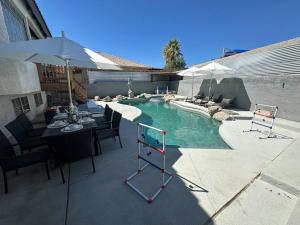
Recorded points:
51,133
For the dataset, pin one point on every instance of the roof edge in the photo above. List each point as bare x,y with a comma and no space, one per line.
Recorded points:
265,48
39,17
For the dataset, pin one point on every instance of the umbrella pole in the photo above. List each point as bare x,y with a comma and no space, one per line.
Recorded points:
69,83
210,85
193,86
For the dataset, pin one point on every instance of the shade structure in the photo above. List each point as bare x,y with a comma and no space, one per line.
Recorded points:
191,72
59,51
214,68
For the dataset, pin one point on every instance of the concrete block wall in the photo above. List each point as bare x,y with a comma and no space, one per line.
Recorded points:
282,91
113,88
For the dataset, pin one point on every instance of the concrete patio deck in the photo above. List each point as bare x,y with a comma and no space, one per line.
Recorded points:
256,182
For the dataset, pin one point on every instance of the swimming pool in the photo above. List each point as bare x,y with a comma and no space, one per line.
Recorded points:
184,129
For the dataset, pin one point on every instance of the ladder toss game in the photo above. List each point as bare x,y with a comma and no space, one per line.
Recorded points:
263,116
141,142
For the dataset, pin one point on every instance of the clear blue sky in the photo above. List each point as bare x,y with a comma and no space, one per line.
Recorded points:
139,29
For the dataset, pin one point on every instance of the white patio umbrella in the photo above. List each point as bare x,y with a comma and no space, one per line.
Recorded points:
191,72
214,68
59,51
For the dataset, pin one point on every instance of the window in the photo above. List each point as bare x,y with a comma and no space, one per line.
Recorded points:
25,104
21,105
17,106
38,99
14,22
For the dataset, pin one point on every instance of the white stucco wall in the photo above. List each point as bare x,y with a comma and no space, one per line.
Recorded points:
18,79
7,112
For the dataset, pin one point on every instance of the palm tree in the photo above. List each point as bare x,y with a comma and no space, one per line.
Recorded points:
173,56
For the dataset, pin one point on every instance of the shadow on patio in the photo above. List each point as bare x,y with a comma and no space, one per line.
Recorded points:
103,197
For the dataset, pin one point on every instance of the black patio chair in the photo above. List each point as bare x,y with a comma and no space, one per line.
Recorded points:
72,147
49,116
9,161
107,113
112,132
105,121
27,125
24,141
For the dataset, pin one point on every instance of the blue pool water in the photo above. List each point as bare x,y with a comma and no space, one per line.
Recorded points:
184,129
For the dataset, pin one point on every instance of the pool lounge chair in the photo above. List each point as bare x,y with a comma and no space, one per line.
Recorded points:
226,103
194,98
214,101
202,101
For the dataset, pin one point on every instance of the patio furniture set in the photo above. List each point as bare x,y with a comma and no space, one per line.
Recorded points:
69,137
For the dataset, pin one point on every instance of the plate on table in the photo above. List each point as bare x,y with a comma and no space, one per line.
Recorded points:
72,127
58,124
83,113
97,115
60,116
86,120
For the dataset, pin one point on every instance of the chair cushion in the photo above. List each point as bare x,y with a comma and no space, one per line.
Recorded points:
25,160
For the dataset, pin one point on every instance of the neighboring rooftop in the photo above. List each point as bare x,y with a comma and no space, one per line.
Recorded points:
128,65
124,62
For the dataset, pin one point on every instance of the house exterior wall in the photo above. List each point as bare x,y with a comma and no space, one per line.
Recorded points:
270,75
7,112
18,78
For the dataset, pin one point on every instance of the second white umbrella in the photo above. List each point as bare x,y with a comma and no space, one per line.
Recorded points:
191,72
214,68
